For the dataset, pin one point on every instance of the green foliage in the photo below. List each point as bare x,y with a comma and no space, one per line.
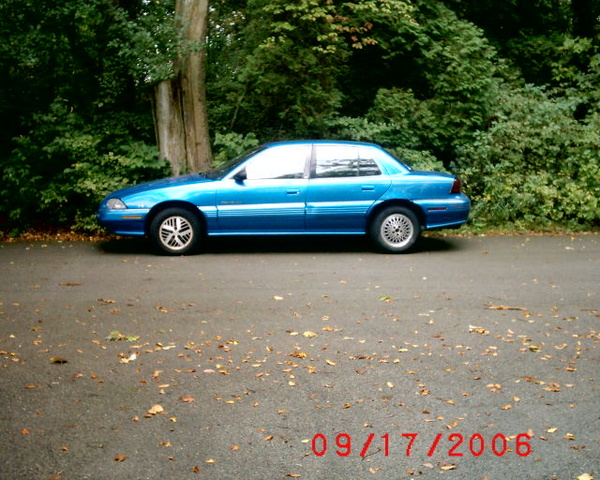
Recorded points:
292,60
62,169
536,167
445,74
440,84
390,135
227,146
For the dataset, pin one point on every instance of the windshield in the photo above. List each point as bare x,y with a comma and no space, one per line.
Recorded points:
218,172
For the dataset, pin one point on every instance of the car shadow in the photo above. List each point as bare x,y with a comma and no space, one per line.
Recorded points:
280,244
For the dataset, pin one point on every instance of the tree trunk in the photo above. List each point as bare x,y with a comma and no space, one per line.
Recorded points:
180,102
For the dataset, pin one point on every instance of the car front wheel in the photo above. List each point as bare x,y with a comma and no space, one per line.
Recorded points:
175,231
395,229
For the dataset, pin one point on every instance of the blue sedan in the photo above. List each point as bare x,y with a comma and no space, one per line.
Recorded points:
291,188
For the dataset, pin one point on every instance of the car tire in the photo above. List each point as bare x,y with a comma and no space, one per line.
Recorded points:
395,229
175,231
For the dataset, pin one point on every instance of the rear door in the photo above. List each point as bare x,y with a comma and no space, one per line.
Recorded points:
345,182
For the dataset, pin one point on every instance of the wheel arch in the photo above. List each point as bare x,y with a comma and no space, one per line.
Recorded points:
418,211
174,204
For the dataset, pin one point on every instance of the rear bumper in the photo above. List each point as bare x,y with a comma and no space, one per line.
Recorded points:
447,213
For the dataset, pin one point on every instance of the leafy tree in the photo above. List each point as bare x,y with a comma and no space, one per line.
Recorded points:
434,82
294,57
530,33
74,101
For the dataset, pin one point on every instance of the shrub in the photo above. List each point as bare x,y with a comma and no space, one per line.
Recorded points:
536,167
59,172
227,146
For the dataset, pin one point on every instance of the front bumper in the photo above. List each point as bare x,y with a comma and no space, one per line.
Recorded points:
123,222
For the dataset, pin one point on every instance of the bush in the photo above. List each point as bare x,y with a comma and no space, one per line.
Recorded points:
227,146
536,167
60,171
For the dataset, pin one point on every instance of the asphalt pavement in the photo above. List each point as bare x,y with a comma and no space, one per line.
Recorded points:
470,358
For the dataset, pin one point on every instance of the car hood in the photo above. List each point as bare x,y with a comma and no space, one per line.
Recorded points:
178,181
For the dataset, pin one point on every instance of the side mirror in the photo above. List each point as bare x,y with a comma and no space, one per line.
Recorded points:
240,176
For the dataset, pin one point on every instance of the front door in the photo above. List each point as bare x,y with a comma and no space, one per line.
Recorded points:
269,196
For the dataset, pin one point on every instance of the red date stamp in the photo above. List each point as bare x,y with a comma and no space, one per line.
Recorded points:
454,444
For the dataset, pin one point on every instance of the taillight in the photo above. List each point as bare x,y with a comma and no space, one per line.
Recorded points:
456,186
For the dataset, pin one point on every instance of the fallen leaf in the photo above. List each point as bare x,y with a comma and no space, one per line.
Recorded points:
115,335
156,409
120,458
503,307
188,399
476,329
298,354
585,476
448,467
310,334
131,358
58,360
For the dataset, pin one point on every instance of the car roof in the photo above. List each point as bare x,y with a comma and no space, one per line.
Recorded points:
321,142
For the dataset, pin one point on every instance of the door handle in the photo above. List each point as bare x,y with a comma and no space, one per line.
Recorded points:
292,191
368,188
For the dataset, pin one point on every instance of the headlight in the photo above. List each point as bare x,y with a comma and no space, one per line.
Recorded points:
115,204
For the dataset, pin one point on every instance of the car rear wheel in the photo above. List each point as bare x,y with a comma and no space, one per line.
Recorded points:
395,229
175,231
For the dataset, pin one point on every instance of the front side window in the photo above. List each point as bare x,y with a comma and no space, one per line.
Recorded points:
280,162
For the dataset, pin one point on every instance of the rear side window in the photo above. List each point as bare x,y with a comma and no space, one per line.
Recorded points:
379,158
343,161
336,161
368,167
